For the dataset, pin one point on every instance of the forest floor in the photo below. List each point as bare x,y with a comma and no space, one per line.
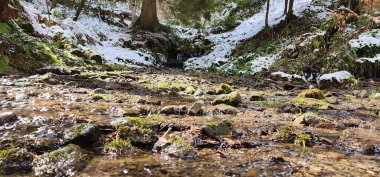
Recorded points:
271,130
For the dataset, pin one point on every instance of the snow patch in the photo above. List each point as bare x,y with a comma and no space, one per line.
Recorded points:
89,32
290,77
370,38
338,76
371,60
262,62
226,42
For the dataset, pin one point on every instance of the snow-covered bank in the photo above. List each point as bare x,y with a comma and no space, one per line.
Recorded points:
89,32
226,42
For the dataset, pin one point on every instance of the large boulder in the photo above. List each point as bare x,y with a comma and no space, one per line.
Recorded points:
336,79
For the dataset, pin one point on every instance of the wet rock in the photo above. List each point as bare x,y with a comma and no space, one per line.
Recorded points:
83,135
198,93
99,91
232,99
97,58
288,108
331,94
224,89
257,97
311,119
55,69
332,100
179,147
14,160
196,108
7,118
78,53
361,93
66,161
138,111
50,78
174,110
141,131
224,109
190,90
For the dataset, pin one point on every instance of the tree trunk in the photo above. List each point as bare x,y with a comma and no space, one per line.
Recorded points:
148,19
79,9
267,16
54,4
290,14
133,8
7,11
3,10
286,7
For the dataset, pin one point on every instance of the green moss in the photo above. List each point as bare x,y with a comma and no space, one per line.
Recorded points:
303,139
119,144
64,153
4,28
145,122
9,155
284,134
190,90
4,65
98,97
312,93
232,99
310,103
182,148
219,128
163,86
224,89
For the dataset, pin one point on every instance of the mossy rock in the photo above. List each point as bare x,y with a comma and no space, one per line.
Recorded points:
83,135
62,162
141,131
14,160
311,103
312,93
163,86
118,147
224,89
190,90
232,99
218,128
284,134
174,110
98,97
179,147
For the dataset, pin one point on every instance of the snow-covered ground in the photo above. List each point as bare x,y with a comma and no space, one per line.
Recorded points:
96,35
226,42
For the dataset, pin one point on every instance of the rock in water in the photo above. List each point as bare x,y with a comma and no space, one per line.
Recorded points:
62,162
7,117
174,110
196,108
83,135
232,99
14,160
